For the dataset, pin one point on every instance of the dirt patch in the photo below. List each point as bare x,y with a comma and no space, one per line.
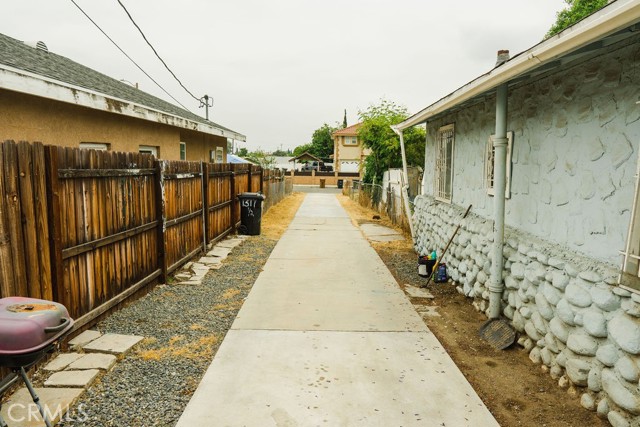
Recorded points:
517,392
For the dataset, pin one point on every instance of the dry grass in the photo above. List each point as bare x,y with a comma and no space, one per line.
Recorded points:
201,348
361,215
230,293
278,217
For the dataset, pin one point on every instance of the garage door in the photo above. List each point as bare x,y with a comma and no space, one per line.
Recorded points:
349,166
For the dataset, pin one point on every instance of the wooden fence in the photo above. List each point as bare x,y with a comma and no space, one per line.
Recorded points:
90,228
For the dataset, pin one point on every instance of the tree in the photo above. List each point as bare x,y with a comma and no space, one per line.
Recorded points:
321,141
300,149
576,10
242,152
261,158
321,144
344,121
376,134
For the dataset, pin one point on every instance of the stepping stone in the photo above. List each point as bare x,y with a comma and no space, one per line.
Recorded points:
61,361
113,344
101,361
218,251
415,292
206,260
20,411
230,243
183,276
428,311
190,282
84,338
74,379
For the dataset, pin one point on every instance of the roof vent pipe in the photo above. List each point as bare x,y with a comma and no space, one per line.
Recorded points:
39,45
503,56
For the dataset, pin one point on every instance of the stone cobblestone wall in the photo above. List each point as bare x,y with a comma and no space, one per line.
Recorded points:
572,318
574,161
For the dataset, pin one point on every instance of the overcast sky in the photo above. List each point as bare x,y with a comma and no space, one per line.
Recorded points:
279,69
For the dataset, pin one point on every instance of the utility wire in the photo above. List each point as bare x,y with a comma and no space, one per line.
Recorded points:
156,53
125,54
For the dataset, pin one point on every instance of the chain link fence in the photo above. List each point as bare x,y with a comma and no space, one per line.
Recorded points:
387,201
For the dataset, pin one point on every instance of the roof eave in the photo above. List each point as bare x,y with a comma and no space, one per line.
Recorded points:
609,19
22,81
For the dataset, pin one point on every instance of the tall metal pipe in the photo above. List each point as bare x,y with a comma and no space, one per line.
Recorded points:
405,185
499,176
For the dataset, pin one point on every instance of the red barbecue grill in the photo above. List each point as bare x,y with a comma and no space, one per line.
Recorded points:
29,329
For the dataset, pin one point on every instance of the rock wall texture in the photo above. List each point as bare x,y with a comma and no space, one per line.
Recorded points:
574,161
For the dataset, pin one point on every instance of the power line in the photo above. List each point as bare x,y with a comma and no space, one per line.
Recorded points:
156,53
125,54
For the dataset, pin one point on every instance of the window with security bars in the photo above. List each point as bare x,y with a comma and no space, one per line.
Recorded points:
630,274
489,163
444,163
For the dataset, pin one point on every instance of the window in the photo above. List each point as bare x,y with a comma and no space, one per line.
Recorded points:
101,146
630,274
489,164
219,154
149,149
444,163
183,151
350,140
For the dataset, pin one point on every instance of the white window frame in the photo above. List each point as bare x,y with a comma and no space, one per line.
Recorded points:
489,164
183,150
149,149
350,140
630,270
445,146
100,146
219,155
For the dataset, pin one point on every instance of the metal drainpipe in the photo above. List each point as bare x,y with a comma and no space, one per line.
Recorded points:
405,187
499,176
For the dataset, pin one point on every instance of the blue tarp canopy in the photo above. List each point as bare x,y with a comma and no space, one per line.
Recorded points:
232,158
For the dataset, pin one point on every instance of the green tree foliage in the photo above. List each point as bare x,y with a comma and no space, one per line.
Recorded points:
300,149
259,157
574,12
376,134
242,152
321,144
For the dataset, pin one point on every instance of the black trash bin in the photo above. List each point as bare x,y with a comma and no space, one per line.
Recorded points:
250,213
340,183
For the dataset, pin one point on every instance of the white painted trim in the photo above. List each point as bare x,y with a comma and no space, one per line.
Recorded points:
611,18
22,81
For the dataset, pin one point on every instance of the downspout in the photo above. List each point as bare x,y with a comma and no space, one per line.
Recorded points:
405,186
499,175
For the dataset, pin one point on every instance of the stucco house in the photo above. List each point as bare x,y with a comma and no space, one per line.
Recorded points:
49,98
544,147
348,151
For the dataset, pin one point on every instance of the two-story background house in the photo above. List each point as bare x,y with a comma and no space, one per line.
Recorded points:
348,151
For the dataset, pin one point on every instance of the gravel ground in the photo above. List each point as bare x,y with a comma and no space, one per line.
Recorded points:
183,326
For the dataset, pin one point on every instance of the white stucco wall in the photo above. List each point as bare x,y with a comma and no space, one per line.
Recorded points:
576,137
574,160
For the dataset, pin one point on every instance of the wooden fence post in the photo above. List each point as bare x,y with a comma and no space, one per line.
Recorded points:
204,172
59,293
234,218
160,217
6,265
